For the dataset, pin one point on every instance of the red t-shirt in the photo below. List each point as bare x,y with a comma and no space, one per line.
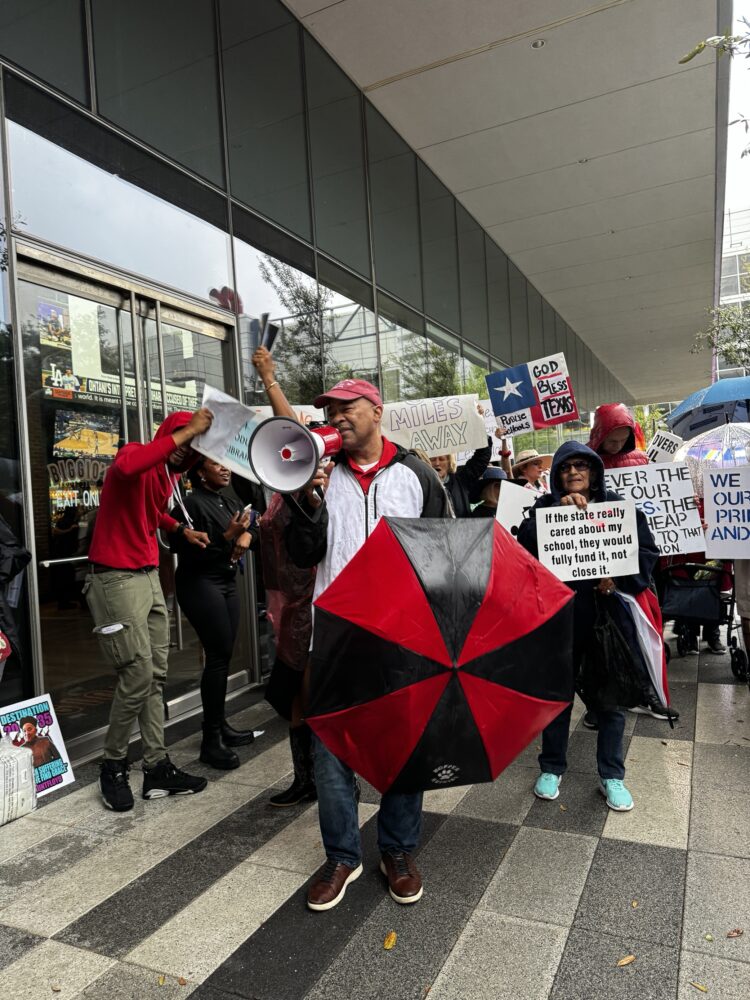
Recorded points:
364,478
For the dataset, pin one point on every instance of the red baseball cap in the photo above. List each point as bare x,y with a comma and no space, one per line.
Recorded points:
350,388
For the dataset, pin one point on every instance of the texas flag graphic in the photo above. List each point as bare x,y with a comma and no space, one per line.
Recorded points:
532,396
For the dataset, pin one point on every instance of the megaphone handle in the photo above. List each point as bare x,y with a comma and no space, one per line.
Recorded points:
321,493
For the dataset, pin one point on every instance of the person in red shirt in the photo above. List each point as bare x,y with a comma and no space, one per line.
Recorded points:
127,604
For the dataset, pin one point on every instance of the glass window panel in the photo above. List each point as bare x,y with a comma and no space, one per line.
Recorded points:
265,111
473,279
337,160
47,38
519,324
536,331
439,259
548,325
395,210
403,351
350,340
474,367
67,201
443,363
157,77
291,298
498,301
730,285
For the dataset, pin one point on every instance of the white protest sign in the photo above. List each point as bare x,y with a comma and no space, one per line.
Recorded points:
663,447
228,438
665,494
726,495
436,426
513,503
588,544
532,395
33,724
490,426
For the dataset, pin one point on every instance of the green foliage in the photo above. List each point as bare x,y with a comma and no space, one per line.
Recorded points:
728,334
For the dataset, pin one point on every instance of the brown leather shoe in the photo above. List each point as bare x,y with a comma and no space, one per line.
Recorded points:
329,884
404,880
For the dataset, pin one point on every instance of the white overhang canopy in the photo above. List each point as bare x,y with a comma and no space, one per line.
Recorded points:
591,158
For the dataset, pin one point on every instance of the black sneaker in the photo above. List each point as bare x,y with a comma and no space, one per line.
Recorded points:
590,720
166,779
656,711
717,646
115,786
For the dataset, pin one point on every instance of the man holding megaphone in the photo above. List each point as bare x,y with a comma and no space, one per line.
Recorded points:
371,478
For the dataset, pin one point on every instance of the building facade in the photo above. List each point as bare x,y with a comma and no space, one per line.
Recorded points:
171,172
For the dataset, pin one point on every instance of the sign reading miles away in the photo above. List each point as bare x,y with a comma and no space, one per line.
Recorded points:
601,541
533,395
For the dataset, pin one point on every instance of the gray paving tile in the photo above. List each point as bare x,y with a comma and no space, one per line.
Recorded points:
25,873
541,877
14,943
726,767
724,979
506,800
126,982
720,822
580,807
682,670
717,899
714,669
622,872
723,714
127,917
683,698
589,971
503,958
275,732
85,774
290,952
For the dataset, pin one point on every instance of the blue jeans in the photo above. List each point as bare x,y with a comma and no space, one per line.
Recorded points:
609,756
399,818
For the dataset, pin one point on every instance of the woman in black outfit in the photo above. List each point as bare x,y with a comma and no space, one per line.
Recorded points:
207,593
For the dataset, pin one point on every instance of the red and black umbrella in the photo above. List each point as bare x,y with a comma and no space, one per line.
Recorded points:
439,652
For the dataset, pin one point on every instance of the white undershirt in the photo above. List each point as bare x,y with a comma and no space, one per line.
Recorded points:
366,468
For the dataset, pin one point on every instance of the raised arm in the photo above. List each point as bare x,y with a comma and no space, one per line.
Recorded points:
264,364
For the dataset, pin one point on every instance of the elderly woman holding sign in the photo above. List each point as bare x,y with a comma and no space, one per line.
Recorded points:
577,479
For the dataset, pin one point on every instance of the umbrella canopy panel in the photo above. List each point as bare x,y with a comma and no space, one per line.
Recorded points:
439,652
727,400
724,447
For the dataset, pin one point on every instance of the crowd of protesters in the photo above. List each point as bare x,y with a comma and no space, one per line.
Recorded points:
300,547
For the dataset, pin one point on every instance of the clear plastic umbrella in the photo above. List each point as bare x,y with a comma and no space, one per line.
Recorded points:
719,448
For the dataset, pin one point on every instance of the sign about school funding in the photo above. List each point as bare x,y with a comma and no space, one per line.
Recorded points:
665,494
663,447
532,396
33,724
588,544
439,426
726,510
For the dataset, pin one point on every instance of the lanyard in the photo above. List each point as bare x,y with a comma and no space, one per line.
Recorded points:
177,495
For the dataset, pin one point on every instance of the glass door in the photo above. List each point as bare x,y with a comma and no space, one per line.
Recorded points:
102,366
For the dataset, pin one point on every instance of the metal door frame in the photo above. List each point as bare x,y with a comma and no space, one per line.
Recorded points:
31,261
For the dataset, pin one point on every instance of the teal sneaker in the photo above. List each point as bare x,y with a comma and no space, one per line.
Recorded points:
616,794
547,786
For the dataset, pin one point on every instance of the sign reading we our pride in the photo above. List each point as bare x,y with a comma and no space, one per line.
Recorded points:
533,395
726,510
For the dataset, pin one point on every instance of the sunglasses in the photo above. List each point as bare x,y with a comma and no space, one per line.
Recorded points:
581,466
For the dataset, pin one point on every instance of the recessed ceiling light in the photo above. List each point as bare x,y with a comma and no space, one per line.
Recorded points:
538,43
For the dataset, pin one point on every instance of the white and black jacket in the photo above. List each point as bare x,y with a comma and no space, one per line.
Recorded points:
330,535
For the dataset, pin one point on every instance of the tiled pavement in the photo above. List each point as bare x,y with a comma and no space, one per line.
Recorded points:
524,899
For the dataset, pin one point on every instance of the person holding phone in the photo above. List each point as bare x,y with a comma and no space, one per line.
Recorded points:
206,589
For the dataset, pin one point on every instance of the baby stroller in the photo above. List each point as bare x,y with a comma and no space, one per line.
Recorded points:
692,597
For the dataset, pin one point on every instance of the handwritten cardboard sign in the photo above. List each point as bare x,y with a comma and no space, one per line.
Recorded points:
663,447
726,494
439,426
492,431
533,395
588,544
665,494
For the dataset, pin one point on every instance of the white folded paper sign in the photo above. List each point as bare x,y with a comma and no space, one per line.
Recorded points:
227,440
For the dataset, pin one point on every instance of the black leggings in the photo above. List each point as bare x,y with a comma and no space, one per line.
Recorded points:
213,609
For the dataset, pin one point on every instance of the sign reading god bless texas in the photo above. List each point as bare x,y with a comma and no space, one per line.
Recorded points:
533,395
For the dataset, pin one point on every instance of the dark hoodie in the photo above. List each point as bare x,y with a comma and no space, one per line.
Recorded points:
134,500
648,554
